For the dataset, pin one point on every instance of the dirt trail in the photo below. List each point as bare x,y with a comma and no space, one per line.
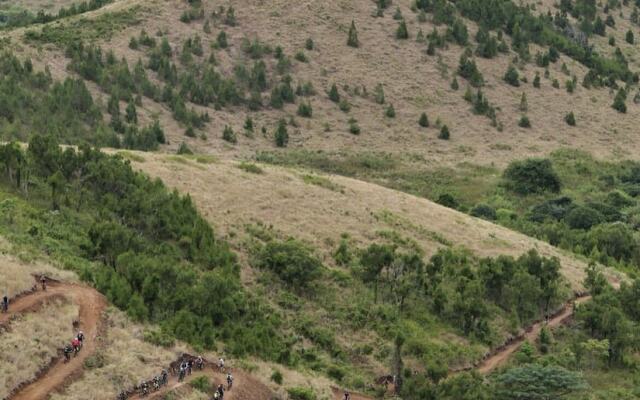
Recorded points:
244,387
91,305
498,359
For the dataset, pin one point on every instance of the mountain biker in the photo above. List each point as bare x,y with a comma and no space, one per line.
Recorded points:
221,364
43,281
347,395
189,367
220,391
229,381
80,337
183,370
75,343
5,303
199,363
67,352
165,377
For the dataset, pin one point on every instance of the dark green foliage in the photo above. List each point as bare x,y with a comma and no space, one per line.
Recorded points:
402,32
454,84
184,149
444,133
25,18
354,128
447,200
276,377
229,135
424,120
469,70
300,56
531,176
221,40
291,261
309,44
458,32
305,110
524,122
201,384
230,17
534,381
379,94
390,112
484,211
487,44
344,105
629,37
570,119
334,95
301,393
281,135
536,81
619,101
582,217
132,238
131,115
511,76
352,39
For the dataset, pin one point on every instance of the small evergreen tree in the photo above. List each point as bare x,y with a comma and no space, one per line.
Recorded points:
133,43
190,132
454,84
344,105
281,134
229,135
524,106
619,101
511,76
221,40
570,119
424,120
524,122
629,37
334,95
536,81
354,128
444,133
402,32
390,111
309,45
352,39
248,124
131,115
398,14
184,149
379,94
305,110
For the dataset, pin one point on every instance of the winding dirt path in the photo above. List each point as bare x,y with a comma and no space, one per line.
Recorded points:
498,359
58,373
245,387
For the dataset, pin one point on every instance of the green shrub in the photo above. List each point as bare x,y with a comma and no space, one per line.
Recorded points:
619,101
484,211
229,135
352,39
531,176
390,112
583,218
424,120
334,95
300,56
201,384
309,45
511,76
250,167
444,133
570,119
290,260
276,377
354,128
305,110
536,81
184,149
402,32
281,135
629,37
524,122
336,373
454,84
300,393
344,105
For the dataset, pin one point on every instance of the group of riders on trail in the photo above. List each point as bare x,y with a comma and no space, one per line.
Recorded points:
182,370
74,347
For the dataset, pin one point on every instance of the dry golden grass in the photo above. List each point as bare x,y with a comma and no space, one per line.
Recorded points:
413,82
32,341
125,360
231,198
16,276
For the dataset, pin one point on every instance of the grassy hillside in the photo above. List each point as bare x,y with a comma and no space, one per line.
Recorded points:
353,194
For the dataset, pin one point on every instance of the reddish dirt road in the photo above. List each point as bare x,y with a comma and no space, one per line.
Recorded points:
91,304
244,387
498,359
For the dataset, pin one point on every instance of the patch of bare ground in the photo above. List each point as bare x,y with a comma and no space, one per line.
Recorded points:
231,198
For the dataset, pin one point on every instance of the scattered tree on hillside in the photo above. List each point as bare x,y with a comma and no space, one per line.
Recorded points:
511,76
281,134
402,32
424,120
352,39
619,101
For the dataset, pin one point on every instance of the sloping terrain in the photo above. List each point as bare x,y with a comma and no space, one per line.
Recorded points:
231,198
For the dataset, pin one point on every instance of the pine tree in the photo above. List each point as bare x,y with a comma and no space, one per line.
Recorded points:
524,122
248,124
281,134
536,81
524,106
390,111
444,133
352,40
619,101
379,94
629,37
309,45
570,119
221,40
305,110
402,32
131,115
334,95
454,84
354,128
511,76
424,120
229,135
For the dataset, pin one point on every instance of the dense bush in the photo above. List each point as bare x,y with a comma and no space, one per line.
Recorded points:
531,176
290,260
